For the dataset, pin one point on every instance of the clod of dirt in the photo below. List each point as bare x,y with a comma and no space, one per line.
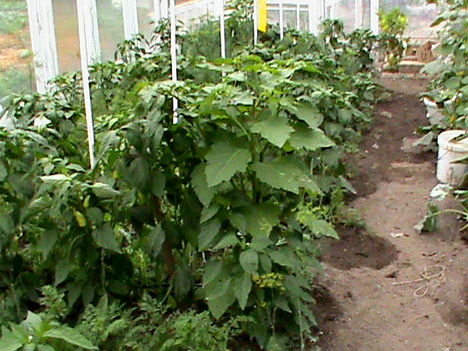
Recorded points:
358,249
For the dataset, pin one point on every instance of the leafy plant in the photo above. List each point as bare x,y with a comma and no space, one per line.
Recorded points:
393,25
220,212
37,333
448,88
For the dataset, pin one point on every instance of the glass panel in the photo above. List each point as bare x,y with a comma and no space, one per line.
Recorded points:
145,16
344,10
290,16
111,31
16,67
304,20
420,16
66,33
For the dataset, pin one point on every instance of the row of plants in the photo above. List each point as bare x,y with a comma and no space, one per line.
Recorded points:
197,235
447,101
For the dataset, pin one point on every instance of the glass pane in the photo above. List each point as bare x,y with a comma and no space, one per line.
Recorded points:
16,66
66,33
145,16
420,16
111,31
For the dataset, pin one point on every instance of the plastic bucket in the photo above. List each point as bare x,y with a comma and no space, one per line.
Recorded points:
450,151
433,112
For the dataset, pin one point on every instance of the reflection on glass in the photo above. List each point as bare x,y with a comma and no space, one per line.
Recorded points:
66,33
16,68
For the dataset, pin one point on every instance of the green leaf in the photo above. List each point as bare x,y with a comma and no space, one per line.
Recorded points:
310,139
279,257
3,172
70,336
104,190
224,160
275,130
9,341
208,213
319,226
43,347
309,114
62,269
243,288
47,241
200,185
104,237
249,261
345,116
220,304
33,321
261,219
208,232
227,241
156,239
212,271
285,173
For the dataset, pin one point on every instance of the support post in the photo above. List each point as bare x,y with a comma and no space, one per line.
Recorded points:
255,21
281,19
43,41
222,29
87,36
374,16
358,14
172,11
130,18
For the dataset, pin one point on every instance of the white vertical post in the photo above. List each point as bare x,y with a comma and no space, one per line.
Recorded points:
44,45
156,11
314,16
281,19
374,16
172,10
222,29
130,18
86,53
164,8
88,9
358,15
255,21
298,16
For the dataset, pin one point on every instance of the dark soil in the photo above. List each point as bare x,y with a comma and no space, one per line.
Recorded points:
374,300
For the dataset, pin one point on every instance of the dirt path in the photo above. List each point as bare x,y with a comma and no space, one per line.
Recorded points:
361,308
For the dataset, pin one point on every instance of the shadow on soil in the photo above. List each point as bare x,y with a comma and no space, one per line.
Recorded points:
359,249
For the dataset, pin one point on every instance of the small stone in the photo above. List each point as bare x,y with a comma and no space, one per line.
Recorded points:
387,114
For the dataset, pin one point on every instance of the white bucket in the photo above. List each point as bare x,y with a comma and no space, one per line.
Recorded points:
433,113
449,151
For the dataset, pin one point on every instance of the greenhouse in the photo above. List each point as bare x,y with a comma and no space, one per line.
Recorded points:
233,175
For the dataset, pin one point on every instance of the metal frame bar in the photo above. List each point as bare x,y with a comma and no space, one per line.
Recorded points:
130,18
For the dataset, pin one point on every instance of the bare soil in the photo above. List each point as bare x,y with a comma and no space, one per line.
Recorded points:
375,299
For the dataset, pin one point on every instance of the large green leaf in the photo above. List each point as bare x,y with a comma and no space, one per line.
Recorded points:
261,219
220,304
3,172
104,237
285,173
275,129
224,160
70,336
319,226
309,114
10,341
200,185
104,190
208,232
249,261
243,288
310,139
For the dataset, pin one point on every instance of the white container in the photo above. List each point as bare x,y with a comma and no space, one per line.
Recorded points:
433,113
449,172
